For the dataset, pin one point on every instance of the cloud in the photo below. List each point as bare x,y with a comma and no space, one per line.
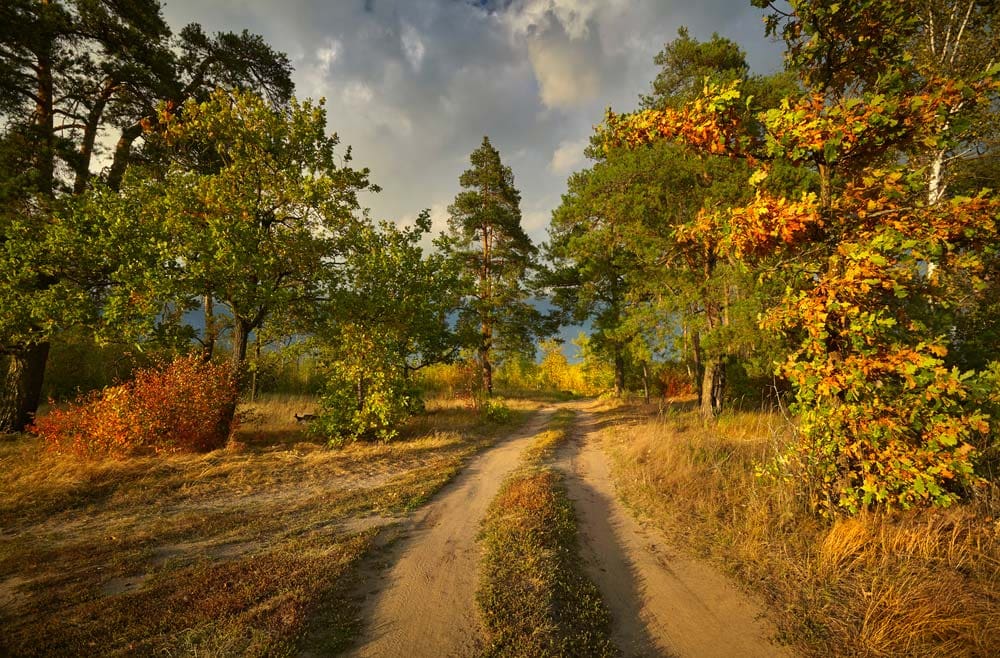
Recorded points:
413,46
327,54
567,70
413,85
568,156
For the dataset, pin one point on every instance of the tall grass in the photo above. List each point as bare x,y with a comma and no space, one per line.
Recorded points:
921,583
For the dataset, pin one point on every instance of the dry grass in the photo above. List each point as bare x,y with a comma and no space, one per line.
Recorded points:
533,595
924,583
237,552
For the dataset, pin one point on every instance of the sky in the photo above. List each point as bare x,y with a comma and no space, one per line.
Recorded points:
414,85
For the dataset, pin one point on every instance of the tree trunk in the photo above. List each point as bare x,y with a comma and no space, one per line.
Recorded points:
241,336
211,331
645,381
22,389
619,373
123,152
824,187
712,387
484,360
696,355
256,366
241,333
935,180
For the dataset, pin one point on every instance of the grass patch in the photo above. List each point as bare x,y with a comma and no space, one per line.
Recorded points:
922,583
241,551
533,596
545,444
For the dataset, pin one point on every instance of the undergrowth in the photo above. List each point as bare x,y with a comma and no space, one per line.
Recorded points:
919,583
241,551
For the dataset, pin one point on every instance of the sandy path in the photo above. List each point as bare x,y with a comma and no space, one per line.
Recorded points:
425,604
661,603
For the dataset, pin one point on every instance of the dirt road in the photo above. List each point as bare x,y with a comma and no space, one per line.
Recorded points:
662,603
425,605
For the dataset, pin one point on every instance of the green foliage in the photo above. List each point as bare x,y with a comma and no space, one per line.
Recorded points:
494,254
69,71
685,64
366,394
496,411
251,207
388,318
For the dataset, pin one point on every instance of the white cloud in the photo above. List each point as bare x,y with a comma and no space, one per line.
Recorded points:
567,74
568,156
327,55
357,93
575,16
413,46
534,221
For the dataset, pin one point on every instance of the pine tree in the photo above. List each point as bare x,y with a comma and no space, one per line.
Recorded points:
496,254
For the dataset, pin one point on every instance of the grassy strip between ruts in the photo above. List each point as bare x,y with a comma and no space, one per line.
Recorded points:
533,596
245,551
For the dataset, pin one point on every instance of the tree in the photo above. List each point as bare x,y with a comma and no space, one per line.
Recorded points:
388,318
68,71
883,420
495,255
685,65
635,246
261,231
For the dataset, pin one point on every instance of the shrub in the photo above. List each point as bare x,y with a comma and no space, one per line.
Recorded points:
496,411
183,406
367,395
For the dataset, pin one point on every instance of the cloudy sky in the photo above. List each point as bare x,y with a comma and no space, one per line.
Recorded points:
413,85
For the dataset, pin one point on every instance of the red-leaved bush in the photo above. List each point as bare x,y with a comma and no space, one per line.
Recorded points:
182,406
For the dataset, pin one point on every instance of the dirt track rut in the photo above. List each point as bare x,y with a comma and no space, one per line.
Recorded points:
425,604
662,603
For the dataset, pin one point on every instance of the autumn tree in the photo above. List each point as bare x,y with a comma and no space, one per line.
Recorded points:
71,71
495,254
884,421
634,245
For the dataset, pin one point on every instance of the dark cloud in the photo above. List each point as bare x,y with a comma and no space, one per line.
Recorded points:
413,85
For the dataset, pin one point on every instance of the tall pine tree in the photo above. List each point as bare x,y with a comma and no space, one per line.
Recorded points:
486,237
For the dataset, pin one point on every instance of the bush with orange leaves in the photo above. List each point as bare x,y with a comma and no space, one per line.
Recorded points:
182,406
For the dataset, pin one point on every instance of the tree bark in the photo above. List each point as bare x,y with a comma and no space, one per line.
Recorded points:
619,373
824,186
211,331
26,367
712,387
23,387
241,332
697,357
123,152
645,381
484,361
241,335
256,367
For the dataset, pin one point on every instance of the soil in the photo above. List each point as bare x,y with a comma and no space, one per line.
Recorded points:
662,603
424,605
